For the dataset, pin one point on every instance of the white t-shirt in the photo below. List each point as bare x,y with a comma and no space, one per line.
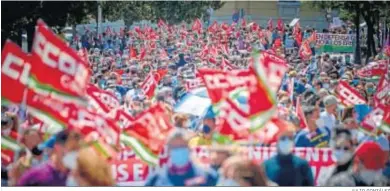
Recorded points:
329,120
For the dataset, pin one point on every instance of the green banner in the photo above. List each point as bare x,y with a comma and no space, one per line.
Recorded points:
336,43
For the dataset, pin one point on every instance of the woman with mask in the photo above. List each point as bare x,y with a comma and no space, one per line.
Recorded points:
286,164
343,150
180,170
240,172
90,170
368,163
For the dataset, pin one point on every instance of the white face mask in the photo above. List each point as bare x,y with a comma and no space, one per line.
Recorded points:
6,132
71,181
227,182
320,122
368,176
70,160
342,157
285,147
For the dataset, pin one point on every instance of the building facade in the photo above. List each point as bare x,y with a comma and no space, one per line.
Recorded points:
262,11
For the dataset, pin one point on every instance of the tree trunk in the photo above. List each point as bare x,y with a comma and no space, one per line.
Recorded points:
30,29
357,56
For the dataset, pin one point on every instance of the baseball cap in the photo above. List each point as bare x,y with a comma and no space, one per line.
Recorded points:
371,155
210,114
59,138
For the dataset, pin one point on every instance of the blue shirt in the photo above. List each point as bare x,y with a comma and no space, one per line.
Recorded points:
318,138
289,170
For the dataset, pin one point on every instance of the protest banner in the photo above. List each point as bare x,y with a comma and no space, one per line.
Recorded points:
335,42
69,74
133,172
348,95
376,68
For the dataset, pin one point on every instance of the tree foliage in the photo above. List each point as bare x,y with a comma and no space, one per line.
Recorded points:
19,16
170,11
370,11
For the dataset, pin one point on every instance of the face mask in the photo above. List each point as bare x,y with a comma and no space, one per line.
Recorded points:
6,132
285,147
206,129
227,182
70,160
71,181
320,122
370,91
368,176
180,156
342,156
326,86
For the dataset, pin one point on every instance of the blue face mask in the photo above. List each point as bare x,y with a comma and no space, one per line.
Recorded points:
206,129
180,156
370,91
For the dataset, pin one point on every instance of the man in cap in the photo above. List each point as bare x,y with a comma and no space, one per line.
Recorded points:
205,137
369,161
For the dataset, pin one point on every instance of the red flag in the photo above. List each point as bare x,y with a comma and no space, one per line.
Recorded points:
149,85
108,31
213,27
270,24
305,51
373,120
243,23
102,100
15,71
142,54
226,66
69,74
348,95
280,26
376,68
159,75
194,83
148,133
270,68
197,26
220,84
381,94
133,52
162,24
269,134
225,26
124,119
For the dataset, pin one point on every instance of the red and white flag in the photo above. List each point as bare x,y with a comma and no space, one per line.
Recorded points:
377,68
69,74
103,101
348,95
149,85
148,133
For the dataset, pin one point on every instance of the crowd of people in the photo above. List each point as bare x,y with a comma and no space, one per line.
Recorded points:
120,61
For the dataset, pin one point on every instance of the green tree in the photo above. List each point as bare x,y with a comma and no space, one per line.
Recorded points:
20,16
172,12
369,11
